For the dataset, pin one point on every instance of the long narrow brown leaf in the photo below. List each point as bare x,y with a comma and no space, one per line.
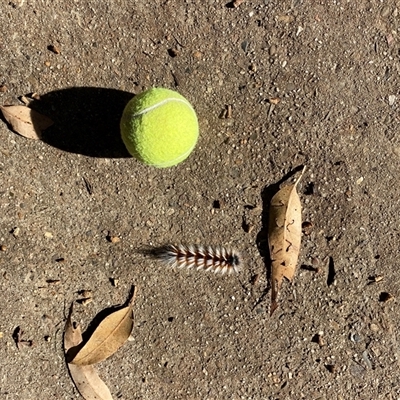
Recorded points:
112,332
284,237
25,121
85,377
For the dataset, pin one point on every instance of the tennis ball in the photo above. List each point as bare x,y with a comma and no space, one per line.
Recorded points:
159,127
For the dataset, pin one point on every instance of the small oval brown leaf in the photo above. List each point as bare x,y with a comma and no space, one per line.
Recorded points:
112,332
25,121
284,237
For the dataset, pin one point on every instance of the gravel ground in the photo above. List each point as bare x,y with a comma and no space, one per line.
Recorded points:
307,83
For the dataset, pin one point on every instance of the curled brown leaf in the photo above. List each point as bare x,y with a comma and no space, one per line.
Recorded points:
25,121
85,377
110,334
284,237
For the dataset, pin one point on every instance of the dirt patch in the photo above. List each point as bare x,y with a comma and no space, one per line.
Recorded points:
304,83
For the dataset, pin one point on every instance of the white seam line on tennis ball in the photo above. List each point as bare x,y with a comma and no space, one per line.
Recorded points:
146,110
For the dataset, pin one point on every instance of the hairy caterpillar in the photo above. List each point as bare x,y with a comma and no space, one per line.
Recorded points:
206,258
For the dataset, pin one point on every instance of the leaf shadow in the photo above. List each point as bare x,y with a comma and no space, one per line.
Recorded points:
93,325
86,120
267,193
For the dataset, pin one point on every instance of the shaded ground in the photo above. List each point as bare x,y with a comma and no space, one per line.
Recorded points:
332,67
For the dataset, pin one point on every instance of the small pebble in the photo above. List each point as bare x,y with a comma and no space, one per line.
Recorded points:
357,370
85,293
237,3
318,338
114,281
365,356
315,262
25,100
376,278
374,328
355,337
245,45
274,100
85,301
306,227
385,12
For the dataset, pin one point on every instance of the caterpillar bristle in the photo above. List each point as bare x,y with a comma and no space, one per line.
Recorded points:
215,259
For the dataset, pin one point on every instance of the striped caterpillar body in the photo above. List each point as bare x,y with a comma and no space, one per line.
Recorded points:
215,259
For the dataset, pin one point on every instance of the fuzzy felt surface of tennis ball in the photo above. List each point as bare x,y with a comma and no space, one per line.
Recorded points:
159,127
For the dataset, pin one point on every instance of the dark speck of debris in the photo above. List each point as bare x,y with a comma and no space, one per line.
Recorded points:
331,368
384,297
307,228
254,279
331,272
17,336
309,189
173,52
170,319
54,49
53,281
114,281
375,279
89,186
318,338
216,204
245,225
306,267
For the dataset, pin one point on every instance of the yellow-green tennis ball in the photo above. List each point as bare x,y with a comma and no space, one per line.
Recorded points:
159,127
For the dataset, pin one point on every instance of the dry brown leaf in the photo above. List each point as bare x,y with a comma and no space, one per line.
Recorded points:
25,121
284,237
85,377
112,332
